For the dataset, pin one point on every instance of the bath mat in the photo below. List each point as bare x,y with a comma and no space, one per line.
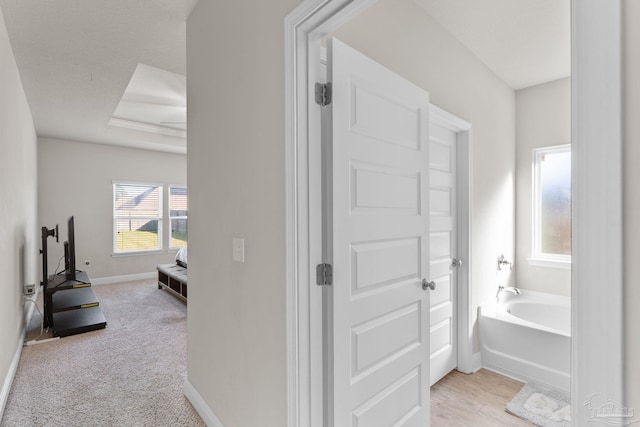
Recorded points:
541,406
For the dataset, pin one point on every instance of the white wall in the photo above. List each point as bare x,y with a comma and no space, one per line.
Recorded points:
543,118
404,38
235,95
19,241
631,40
75,178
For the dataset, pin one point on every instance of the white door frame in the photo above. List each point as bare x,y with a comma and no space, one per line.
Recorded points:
467,362
597,285
598,323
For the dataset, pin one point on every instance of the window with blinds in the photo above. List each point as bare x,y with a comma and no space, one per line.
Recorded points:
178,209
137,217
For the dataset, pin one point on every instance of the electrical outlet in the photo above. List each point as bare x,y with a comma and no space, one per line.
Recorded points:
29,290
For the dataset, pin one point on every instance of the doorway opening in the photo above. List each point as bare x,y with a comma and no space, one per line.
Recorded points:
306,27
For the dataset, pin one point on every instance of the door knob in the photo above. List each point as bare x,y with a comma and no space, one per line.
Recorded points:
456,262
428,285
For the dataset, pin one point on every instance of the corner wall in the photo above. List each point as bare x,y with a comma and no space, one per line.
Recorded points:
404,38
543,119
75,178
237,358
631,96
19,241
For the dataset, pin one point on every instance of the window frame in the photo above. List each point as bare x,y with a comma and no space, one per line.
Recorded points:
539,258
159,218
186,217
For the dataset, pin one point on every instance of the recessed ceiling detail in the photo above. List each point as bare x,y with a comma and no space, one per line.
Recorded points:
154,101
76,57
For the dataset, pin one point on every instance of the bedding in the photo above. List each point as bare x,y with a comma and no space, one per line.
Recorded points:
181,257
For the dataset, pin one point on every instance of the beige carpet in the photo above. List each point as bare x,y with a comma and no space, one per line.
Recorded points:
130,374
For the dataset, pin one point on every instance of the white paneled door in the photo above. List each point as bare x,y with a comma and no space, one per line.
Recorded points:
377,219
442,197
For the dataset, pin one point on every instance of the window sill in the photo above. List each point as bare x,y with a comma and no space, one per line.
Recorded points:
550,263
137,253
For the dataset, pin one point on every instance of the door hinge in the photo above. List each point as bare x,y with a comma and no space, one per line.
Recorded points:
324,274
323,94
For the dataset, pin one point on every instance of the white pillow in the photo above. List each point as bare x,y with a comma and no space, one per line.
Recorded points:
181,256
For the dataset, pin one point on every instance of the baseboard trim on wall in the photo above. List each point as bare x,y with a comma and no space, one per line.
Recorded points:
125,278
476,362
201,407
13,368
469,364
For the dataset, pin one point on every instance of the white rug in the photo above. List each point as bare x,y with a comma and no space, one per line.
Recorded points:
543,407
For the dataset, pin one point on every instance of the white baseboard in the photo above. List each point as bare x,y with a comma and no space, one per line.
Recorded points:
125,278
504,373
201,407
476,362
13,368
469,364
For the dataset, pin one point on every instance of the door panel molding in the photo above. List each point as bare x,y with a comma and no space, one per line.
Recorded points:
378,208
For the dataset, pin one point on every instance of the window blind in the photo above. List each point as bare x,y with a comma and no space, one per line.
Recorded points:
178,212
137,213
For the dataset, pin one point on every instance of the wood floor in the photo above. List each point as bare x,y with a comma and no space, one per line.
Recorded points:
476,400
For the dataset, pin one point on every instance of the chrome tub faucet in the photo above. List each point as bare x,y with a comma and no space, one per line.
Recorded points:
511,289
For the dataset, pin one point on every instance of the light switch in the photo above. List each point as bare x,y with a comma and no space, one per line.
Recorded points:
238,249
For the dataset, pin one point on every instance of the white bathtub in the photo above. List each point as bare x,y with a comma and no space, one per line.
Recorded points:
528,337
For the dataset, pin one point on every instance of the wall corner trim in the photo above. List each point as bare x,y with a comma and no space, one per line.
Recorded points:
598,341
201,407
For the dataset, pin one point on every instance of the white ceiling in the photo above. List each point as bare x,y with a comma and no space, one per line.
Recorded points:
77,57
155,100
525,42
